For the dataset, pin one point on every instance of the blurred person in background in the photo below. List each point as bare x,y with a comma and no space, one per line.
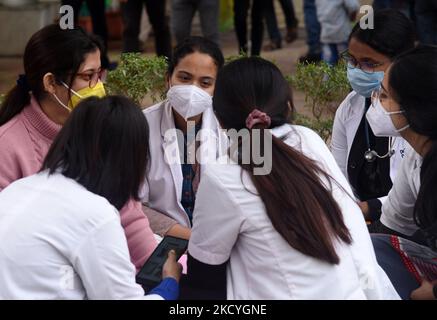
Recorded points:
182,15
132,11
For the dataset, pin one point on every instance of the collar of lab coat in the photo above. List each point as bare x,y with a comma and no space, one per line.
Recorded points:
208,135
282,130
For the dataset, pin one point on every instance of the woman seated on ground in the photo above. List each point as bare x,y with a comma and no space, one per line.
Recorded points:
285,227
175,126
367,158
407,103
60,228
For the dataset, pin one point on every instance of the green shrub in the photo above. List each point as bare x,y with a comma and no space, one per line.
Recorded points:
323,127
138,77
324,87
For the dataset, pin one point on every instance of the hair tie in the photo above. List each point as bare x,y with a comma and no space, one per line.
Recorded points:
22,82
258,117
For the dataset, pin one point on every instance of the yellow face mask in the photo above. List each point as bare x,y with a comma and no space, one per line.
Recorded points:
78,96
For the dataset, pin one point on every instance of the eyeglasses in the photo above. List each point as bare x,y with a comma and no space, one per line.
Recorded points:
367,67
91,77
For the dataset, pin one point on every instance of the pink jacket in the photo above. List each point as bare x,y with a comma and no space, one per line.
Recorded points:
24,142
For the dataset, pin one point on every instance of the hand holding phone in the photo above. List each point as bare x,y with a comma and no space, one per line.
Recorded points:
172,268
152,273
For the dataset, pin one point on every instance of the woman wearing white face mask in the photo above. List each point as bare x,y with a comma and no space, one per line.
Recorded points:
368,160
406,105
171,184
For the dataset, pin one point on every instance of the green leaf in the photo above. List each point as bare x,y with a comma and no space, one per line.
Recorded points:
138,77
325,87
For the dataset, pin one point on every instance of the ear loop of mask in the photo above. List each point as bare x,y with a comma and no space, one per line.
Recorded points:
74,92
403,128
60,102
389,113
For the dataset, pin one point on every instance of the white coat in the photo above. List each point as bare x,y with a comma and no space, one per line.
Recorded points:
230,223
347,120
163,184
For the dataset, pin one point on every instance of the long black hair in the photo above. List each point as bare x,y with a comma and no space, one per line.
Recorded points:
54,50
300,207
104,146
393,33
413,82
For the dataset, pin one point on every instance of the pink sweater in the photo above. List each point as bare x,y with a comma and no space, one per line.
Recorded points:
24,142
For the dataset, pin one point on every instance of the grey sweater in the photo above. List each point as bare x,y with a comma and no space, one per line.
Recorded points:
334,18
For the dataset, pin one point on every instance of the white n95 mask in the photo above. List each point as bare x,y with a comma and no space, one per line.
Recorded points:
380,121
189,100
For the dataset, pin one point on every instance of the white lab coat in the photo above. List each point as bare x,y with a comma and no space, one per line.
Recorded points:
347,120
62,242
398,209
163,184
230,223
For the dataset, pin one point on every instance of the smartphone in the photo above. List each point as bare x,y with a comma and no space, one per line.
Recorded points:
150,274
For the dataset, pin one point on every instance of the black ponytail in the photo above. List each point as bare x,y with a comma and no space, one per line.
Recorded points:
425,211
299,204
14,103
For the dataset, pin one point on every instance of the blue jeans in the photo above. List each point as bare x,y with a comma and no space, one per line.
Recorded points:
426,20
312,26
391,262
331,52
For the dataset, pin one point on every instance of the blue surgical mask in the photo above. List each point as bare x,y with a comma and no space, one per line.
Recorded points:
364,83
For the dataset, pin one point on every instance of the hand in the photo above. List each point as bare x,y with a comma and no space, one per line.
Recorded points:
172,268
424,292
364,206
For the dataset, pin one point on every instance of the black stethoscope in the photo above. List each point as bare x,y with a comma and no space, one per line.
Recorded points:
371,155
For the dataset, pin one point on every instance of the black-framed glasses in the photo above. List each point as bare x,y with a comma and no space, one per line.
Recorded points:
368,67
